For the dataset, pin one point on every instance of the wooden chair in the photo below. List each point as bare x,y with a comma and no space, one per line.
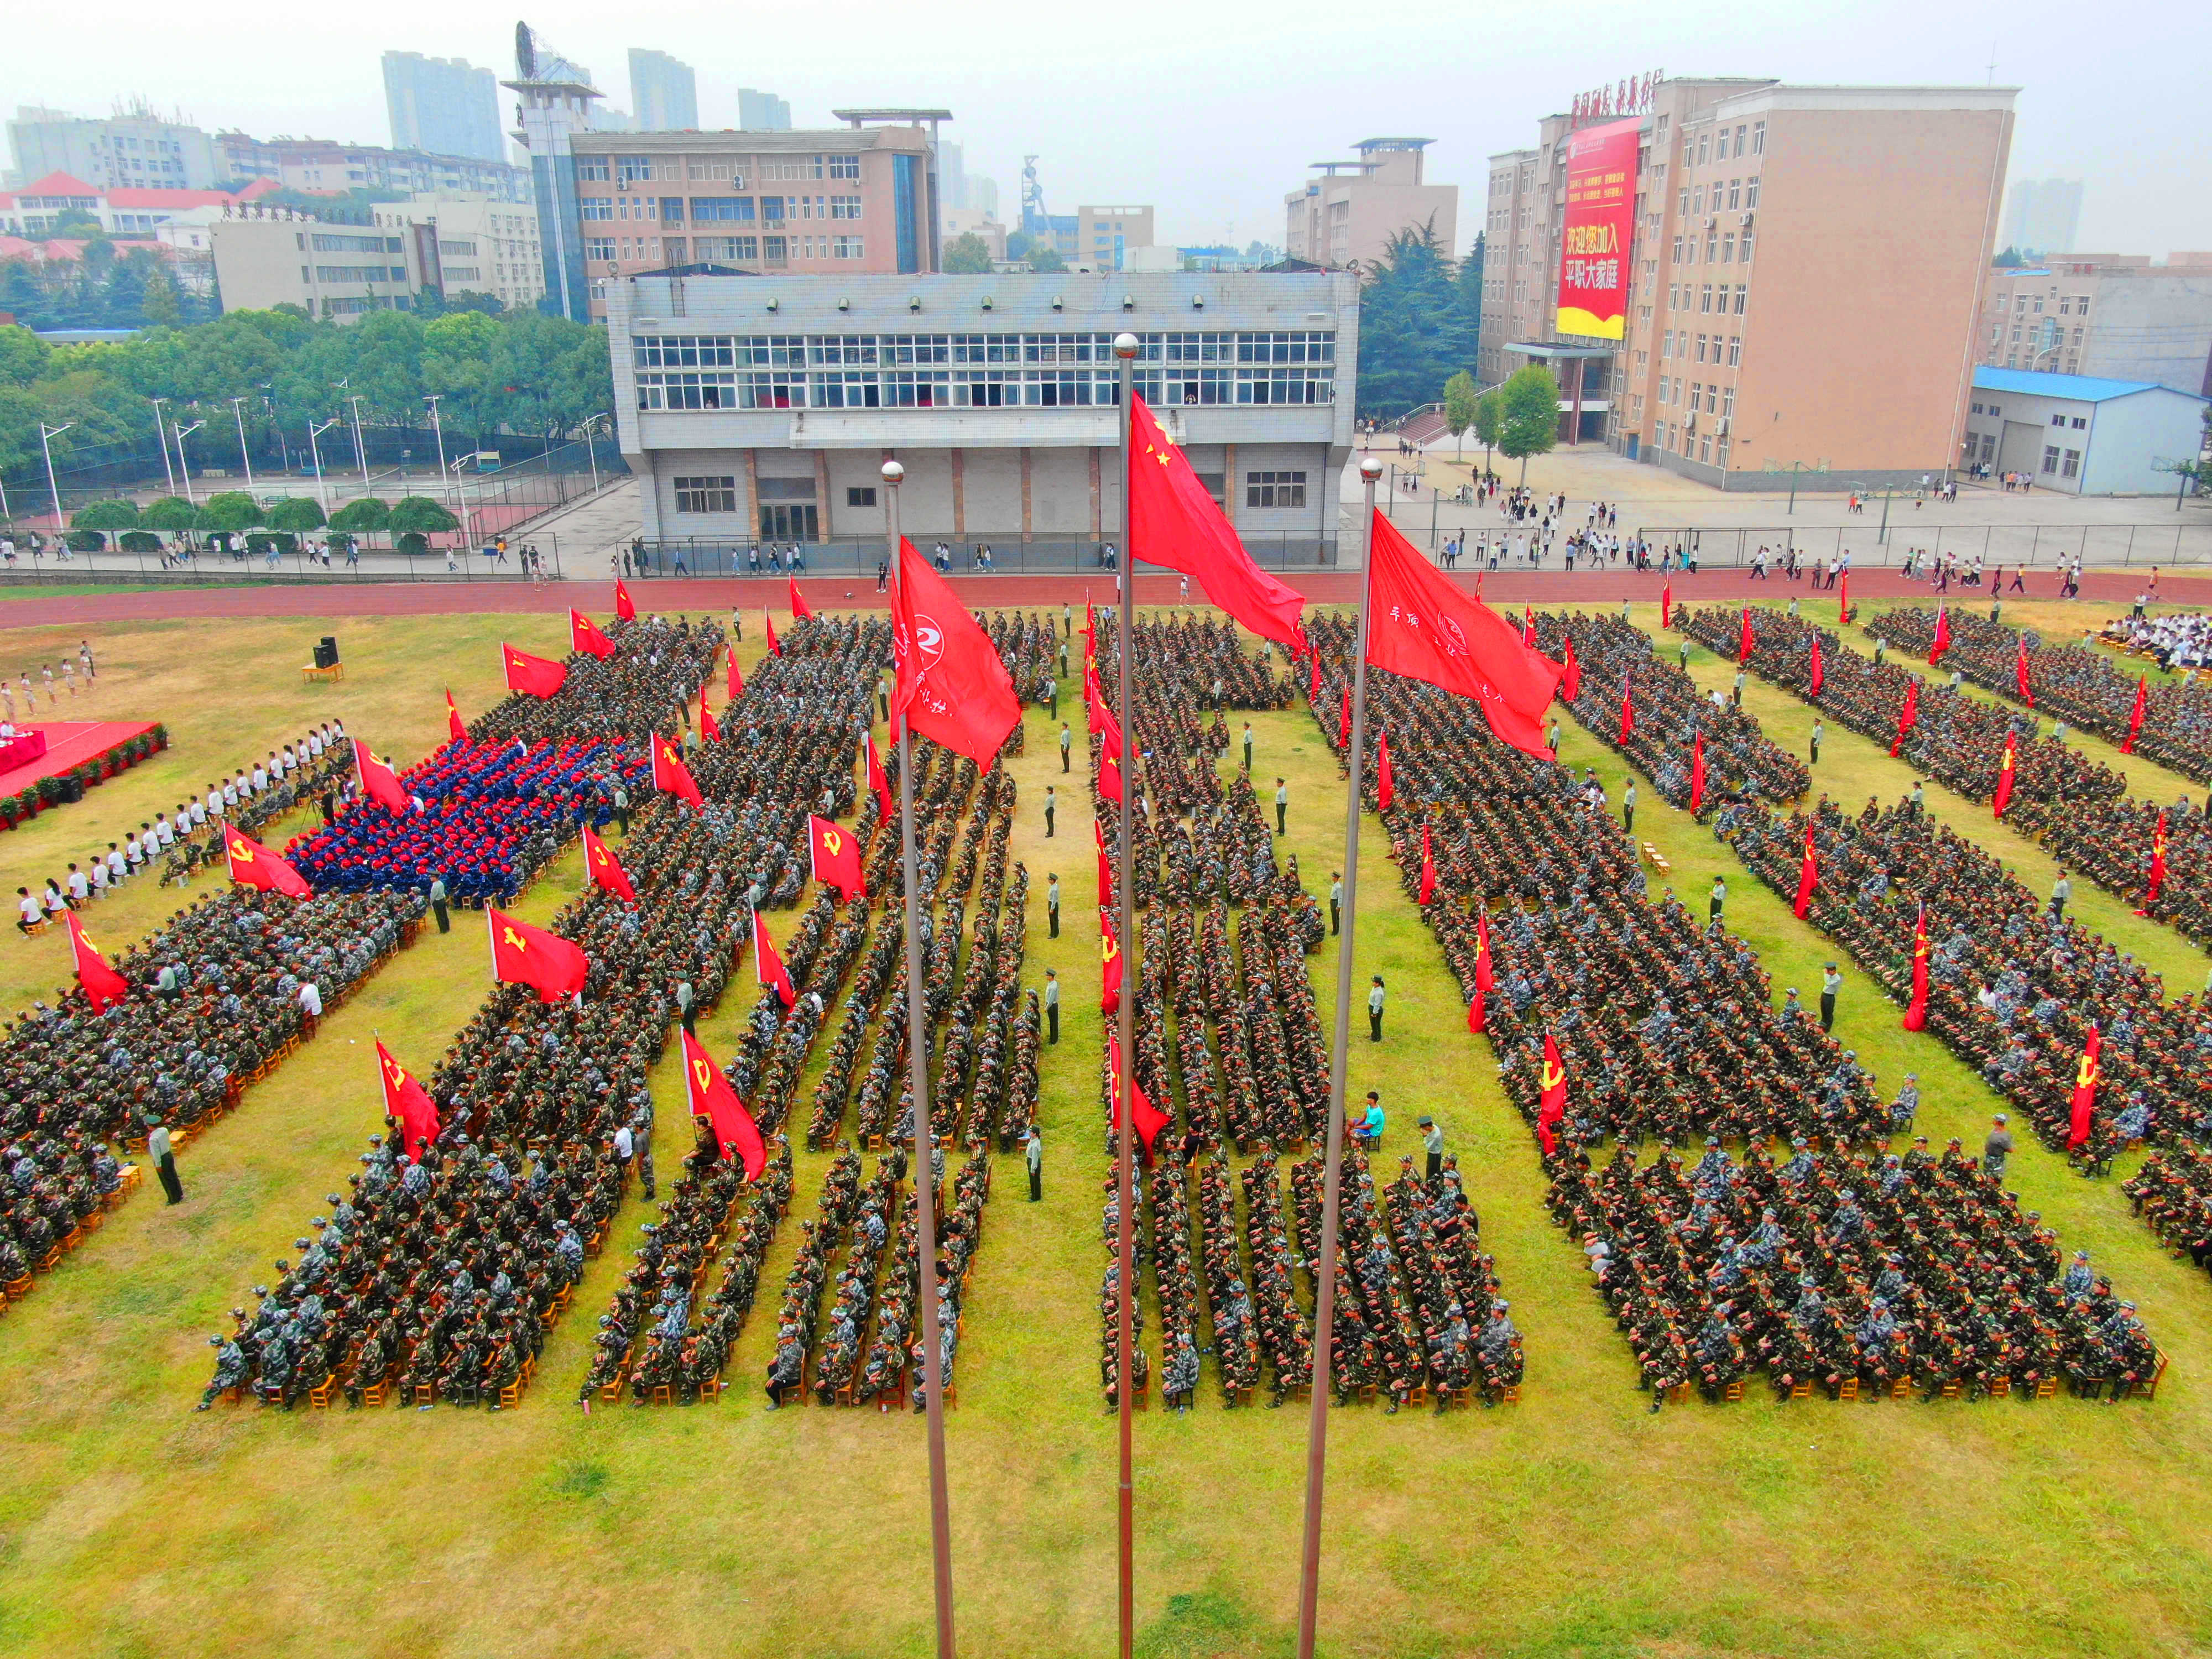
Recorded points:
2046,1386
1801,1389
426,1394
663,1393
2000,1387
373,1393
1734,1393
510,1395
1953,1390
712,1386
319,1397
1850,1390
2149,1390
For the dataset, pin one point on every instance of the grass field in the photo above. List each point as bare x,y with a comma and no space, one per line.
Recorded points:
1576,1522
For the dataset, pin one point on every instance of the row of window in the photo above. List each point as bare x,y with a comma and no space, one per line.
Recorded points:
1721,144
358,273
1716,299
2027,304
640,169
868,350
1722,247
718,209
977,388
1737,193
1676,343
1680,440
718,493
1711,398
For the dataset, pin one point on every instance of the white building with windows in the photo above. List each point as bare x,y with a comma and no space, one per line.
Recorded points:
2079,436
762,407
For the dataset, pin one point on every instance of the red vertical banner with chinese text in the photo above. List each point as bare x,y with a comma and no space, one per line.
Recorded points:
1594,250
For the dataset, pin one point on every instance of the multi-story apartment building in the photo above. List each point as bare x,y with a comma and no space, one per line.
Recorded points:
763,112
757,410
664,92
1846,344
323,167
1106,236
442,106
2111,316
1348,215
133,149
2043,216
457,245
122,210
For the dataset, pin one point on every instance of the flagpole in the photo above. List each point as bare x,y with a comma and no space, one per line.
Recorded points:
917,1052
1332,1185
1125,356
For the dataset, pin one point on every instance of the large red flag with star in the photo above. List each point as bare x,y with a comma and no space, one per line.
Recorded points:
625,609
734,680
671,775
799,605
710,729
1819,675
103,986
2157,859
2021,676
1485,980
407,1102
2084,1103
584,636
1571,671
951,684
712,1097
379,783
534,677
1941,642
2136,715
1808,875
836,857
774,646
1150,1120
2007,769
1908,714
454,728
252,865
606,870
1550,1094
1916,1011
1746,640
1697,772
1109,966
523,955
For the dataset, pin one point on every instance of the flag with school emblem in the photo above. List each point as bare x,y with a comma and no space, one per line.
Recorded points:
2136,715
1697,772
252,865
2006,768
768,964
1916,1011
605,869
1150,1119
670,774
624,609
1817,675
379,783
407,1102
1428,866
2086,1079
878,782
2157,859
951,684
798,606
523,955
534,677
1941,642
1908,714
711,1097
103,986
1551,1095
584,636
1808,875
1109,966
837,858
454,729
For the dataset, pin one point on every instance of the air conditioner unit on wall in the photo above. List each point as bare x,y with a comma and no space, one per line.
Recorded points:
1721,430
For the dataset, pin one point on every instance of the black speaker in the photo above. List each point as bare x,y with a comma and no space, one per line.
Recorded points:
326,653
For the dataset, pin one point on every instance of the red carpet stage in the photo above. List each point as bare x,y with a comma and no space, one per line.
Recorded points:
69,744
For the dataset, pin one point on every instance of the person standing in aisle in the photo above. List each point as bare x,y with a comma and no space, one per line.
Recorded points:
1282,807
1831,983
1248,747
1067,742
1432,1143
1628,808
1052,1005
1819,731
1716,901
1051,805
165,1159
1052,904
1336,900
438,904
1375,1009
1033,1150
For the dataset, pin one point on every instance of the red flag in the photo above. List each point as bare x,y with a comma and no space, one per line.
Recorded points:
1422,625
408,1101
1941,642
1552,1094
2006,767
535,677
584,636
799,605
1570,672
711,1098
1150,1120
710,729
2136,715
1105,867
1908,714
252,865
1428,867
734,680
1809,877
623,609
1627,710
1915,1011
1174,522
1313,679
1109,966
1485,981
768,966
1844,600
379,783
951,684
2085,1089
671,775
1344,720
1697,772
837,858
1102,720
1385,790
775,648
1745,639
1667,606
2157,858
1527,628
1478,1017
523,955
454,728
605,869
877,781
103,986
1109,777
1819,677
2020,675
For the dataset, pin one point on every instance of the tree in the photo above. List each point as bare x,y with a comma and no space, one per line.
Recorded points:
1489,422
23,356
164,306
421,514
367,516
105,515
1044,257
966,255
1531,424
173,513
294,515
1460,399
231,510
1017,243
1413,335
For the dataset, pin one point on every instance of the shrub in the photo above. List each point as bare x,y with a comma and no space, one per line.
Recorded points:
139,541
259,543
86,541
413,544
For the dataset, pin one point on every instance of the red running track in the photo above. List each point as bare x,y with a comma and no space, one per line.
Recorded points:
2101,588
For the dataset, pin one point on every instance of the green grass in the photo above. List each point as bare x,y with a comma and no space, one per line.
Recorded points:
1576,1524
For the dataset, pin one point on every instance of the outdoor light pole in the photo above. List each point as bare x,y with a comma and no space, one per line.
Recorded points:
1125,1122
238,411
162,435
924,1137
184,467
322,495
360,453
46,433
1332,1177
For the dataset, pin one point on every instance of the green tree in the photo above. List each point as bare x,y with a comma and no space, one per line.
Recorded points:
1044,257
231,510
295,515
367,516
105,515
23,356
164,305
1413,336
966,255
1460,400
1489,422
1530,425
1017,243
422,515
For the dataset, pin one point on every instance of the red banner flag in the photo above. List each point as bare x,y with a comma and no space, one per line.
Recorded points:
1809,877
710,729
1105,867
2085,1080
837,858
1109,966
1746,639
1313,679
103,986
584,636
1420,624
1109,777
1627,710
734,679
523,955
624,609
605,869
2020,675
878,782
1428,867
1385,788
1174,522
379,783
534,677
1344,720
1150,1120
951,684
2136,715
1916,1011
774,646
1667,606
454,729
710,1096
2157,859
1843,599
768,965
2006,768
1908,714
1485,980
799,605
1527,628
252,865
1818,674
670,774
1697,772
407,1103
1941,642
1552,1094
1102,720
1570,672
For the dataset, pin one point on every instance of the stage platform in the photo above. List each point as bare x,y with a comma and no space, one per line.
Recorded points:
69,744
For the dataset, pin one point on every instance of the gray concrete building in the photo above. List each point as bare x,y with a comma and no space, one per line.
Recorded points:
133,149
756,409
442,106
663,91
2043,216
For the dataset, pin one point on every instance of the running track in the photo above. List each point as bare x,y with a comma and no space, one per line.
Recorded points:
2101,588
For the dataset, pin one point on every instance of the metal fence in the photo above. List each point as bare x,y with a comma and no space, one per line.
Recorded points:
454,565
706,555
2176,542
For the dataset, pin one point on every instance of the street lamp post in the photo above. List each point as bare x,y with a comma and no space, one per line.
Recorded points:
237,412
591,449
184,467
360,453
315,450
46,433
162,436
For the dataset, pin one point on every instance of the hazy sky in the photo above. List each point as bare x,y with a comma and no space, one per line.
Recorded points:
1210,110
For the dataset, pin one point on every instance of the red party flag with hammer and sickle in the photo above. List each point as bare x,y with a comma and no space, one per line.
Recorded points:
2006,768
379,783
454,728
103,986
671,775
605,868
523,955
1552,1094
2085,1091
799,605
712,1099
252,865
584,636
1915,1011
768,965
534,677
408,1101
1109,967
837,858
624,609
1150,1120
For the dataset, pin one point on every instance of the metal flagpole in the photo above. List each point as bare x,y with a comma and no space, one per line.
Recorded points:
925,1206
1125,640
1332,1185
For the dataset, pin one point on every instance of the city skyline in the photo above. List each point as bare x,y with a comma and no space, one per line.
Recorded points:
2132,141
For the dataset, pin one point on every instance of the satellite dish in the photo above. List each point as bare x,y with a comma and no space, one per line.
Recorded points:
525,53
